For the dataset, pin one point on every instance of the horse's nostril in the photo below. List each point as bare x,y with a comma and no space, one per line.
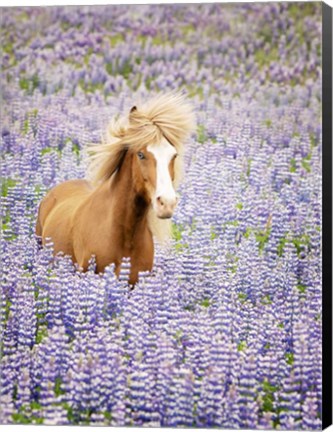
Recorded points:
159,200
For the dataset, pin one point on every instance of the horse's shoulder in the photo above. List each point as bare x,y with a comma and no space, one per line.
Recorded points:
71,189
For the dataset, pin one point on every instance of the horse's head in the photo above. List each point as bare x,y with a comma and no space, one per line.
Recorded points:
153,136
154,174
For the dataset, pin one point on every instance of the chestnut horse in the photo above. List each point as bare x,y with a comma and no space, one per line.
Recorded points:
131,193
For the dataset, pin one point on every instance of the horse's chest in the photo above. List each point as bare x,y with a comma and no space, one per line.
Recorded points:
139,248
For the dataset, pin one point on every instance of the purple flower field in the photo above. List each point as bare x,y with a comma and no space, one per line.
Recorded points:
226,330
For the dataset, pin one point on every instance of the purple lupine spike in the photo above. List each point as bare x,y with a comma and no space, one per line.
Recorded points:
290,406
26,314
181,403
310,418
55,415
8,409
125,271
247,399
23,396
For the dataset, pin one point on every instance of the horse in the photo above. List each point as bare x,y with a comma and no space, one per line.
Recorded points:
130,193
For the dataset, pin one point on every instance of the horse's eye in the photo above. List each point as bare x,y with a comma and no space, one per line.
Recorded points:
141,155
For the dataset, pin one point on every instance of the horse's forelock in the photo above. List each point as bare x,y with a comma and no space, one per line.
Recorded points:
170,113
167,115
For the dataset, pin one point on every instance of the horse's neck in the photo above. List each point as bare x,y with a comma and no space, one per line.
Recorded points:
129,209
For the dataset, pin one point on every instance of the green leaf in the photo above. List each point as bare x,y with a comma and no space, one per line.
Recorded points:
109,68
107,415
116,39
201,134
38,420
41,333
205,302
281,246
7,183
24,84
35,405
242,297
241,346
213,234
262,238
300,242
248,171
293,165
289,358
177,230
266,300
157,40
76,149
306,165
313,141
20,418
148,82
301,288
57,386
268,398
25,127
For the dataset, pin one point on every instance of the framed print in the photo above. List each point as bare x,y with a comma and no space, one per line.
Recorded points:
166,204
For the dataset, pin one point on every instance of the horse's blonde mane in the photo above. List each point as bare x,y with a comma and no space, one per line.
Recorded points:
166,115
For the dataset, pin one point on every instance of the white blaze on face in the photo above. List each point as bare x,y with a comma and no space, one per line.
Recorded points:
165,196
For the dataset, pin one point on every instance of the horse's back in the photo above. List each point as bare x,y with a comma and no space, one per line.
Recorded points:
56,211
69,189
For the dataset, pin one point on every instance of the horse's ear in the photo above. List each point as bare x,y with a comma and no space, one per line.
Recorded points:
132,113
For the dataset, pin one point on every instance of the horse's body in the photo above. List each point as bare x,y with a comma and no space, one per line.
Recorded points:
111,218
83,221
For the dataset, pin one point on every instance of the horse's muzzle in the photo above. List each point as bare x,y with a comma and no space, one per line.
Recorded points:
164,207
